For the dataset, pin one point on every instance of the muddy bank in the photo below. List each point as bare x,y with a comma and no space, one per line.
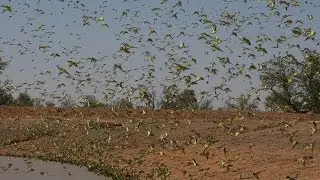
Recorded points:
13,168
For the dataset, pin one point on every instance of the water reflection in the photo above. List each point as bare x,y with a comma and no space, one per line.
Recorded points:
27,169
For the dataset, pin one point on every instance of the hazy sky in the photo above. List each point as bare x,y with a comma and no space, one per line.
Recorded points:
63,31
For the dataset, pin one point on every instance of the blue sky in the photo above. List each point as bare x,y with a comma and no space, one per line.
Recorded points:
100,42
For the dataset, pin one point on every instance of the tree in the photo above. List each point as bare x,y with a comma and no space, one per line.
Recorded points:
173,99
50,104
242,103
67,102
24,99
122,103
206,104
169,99
3,65
187,99
294,85
5,97
148,97
91,101
37,102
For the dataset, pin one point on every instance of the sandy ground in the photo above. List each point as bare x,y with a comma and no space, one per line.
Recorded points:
166,144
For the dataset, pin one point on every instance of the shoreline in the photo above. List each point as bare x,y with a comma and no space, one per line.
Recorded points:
100,170
13,166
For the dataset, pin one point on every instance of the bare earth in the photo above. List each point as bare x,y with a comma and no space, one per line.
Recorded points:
165,144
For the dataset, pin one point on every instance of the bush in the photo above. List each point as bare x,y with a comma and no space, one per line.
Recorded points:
5,98
24,99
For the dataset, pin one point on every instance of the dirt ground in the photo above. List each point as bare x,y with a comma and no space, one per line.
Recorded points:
166,144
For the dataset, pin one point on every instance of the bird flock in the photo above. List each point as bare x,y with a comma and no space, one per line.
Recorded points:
131,49
210,49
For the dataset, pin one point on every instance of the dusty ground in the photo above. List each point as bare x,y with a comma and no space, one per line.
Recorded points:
148,144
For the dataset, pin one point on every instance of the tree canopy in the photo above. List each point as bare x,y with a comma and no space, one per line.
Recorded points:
294,84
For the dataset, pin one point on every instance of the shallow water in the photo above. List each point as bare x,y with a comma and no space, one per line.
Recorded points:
12,168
